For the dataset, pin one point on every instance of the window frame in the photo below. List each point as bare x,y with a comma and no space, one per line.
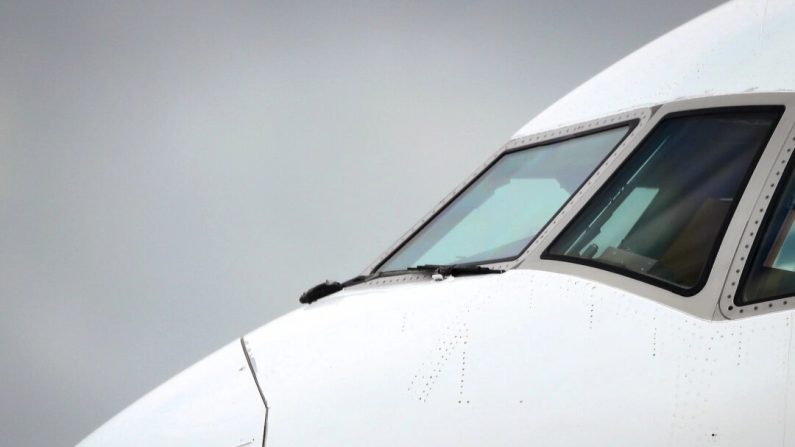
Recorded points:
780,185
712,301
743,187
635,120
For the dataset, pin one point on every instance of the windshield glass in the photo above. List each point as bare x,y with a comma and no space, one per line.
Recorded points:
497,216
663,213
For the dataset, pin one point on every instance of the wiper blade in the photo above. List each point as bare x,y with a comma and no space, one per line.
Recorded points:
456,269
331,287
327,288
319,291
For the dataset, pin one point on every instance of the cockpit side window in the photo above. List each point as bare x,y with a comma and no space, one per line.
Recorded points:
661,217
499,214
771,272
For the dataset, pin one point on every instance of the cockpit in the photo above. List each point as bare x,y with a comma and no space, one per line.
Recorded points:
690,203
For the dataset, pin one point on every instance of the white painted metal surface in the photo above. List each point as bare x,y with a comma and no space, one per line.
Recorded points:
525,357
741,46
549,353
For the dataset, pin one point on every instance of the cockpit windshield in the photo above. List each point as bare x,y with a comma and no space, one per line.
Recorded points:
661,217
497,216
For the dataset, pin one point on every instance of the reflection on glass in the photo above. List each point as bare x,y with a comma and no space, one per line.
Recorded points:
662,214
498,215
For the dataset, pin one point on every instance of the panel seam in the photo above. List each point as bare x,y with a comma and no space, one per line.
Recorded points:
259,388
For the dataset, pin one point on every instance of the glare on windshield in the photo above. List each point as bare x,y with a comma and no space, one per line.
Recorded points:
497,216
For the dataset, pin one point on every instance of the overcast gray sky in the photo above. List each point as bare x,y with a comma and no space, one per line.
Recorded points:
173,175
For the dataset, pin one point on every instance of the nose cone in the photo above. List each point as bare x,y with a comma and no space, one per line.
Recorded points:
214,403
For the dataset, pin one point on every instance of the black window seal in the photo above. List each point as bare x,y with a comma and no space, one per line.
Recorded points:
629,124
772,206
704,278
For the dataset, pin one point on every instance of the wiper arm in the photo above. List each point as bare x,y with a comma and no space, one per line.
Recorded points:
327,288
456,269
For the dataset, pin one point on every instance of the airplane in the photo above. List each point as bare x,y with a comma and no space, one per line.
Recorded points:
620,273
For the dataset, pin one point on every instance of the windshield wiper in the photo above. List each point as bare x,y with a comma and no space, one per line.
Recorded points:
327,288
